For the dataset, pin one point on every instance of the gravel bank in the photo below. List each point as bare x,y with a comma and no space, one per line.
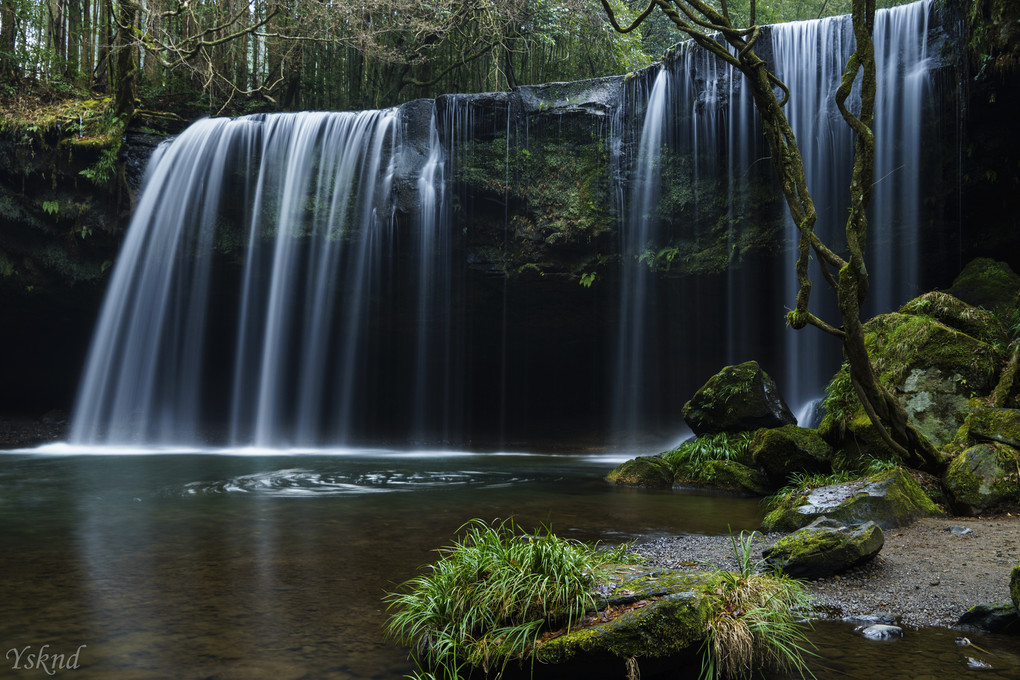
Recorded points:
926,575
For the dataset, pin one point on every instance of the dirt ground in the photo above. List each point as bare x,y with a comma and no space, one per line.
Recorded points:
925,575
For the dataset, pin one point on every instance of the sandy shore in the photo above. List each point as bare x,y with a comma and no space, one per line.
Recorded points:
925,575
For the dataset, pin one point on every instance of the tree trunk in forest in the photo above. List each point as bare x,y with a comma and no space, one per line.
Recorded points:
9,67
125,53
73,39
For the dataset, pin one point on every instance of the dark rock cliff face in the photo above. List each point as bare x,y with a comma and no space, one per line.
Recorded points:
535,200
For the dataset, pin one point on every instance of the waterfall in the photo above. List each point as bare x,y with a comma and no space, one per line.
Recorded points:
410,275
711,146
303,201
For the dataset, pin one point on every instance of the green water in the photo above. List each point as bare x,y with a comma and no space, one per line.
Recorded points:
227,566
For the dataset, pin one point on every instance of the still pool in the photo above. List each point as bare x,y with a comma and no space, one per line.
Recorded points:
250,564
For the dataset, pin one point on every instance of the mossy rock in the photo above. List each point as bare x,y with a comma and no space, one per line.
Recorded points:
673,621
1014,586
646,471
790,449
934,370
890,499
825,547
979,324
985,479
737,399
728,475
857,440
987,283
995,425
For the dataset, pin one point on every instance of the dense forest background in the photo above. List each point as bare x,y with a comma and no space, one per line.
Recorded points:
190,57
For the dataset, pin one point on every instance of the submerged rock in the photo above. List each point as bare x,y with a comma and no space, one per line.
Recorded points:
825,547
890,499
736,399
985,478
881,631
995,618
645,471
786,450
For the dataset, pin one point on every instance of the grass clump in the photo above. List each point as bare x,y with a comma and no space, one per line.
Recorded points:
488,597
690,457
758,622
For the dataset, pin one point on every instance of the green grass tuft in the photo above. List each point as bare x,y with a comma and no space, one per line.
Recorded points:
690,457
485,601
758,622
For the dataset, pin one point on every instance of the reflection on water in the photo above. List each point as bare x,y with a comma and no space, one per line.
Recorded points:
227,566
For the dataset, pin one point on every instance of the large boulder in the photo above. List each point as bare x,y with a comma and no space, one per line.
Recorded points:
934,371
995,618
984,282
890,499
736,399
985,478
786,450
646,471
825,547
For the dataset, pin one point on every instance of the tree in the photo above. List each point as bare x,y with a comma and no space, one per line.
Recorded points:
848,277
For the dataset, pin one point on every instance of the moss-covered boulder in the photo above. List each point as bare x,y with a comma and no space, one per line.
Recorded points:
825,547
995,425
672,619
1014,586
933,369
987,283
786,450
736,399
985,478
646,471
980,324
890,499
727,475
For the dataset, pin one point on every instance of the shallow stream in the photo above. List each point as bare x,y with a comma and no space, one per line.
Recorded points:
254,565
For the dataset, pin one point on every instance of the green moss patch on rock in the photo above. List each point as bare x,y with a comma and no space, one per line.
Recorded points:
825,547
987,283
980,324
728,475
737,398
784,451
985,478
672,618
996,425
646,471
890,499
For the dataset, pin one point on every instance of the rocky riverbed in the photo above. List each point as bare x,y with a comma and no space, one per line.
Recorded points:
927,574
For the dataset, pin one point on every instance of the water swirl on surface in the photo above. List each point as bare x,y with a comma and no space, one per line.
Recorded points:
302,482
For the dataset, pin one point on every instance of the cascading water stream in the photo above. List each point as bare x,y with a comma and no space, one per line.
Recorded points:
277,288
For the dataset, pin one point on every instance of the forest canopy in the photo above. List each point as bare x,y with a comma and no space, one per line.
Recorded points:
235,56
